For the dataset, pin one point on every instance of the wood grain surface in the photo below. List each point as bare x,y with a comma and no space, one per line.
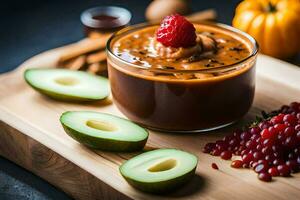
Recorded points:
32,137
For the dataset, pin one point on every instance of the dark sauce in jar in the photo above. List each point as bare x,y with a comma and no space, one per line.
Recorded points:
108,21
105,19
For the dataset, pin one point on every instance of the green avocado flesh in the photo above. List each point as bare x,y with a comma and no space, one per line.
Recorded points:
160,170
68,85
104,131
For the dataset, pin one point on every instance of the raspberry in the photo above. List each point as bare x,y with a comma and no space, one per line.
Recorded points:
176,31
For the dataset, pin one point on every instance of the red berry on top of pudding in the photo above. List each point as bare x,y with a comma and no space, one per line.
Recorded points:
176,31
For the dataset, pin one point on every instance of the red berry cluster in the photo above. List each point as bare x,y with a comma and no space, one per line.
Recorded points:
271,147
176,31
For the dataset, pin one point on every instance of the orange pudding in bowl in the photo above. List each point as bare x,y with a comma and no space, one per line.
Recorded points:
204,86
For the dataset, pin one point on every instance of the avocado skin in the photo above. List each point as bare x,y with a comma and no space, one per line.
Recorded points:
104,144
160,187
60,97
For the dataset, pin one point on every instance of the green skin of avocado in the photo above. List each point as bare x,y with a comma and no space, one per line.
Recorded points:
160,187
104,143
63,97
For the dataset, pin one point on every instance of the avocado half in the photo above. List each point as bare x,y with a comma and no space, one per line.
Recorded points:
159,171
68,85
104,131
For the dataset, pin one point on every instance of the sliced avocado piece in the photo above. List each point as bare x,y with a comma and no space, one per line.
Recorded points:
68,85
104,131
160,170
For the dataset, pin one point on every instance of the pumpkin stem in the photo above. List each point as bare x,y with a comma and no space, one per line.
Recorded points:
271,7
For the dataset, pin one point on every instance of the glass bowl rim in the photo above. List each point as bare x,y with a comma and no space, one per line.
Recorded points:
133,28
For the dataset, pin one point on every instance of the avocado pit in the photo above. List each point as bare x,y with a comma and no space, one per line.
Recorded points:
66,81
163,166
101,125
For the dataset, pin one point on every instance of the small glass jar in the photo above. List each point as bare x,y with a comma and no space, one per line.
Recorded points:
103,20
179,105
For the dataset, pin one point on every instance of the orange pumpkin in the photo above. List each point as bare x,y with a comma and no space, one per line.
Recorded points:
275,24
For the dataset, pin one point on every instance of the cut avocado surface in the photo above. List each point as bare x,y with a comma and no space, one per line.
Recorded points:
104,131
160,170
68,85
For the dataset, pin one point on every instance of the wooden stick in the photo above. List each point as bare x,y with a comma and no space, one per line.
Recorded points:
76,63
93,68
96,68
95,34
209,14
204,15
84,46
96,57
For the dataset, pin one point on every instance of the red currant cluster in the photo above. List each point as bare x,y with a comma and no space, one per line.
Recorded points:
270,147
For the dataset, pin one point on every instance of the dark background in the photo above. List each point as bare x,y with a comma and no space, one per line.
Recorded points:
29,27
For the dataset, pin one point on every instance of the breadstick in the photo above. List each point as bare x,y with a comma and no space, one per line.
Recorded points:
96,57
84,46
76,63
97,68
209,14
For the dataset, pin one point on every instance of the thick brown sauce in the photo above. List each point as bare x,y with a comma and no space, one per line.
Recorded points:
137,48
174,100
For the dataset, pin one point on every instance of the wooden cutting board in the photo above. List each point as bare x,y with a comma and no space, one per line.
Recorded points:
32,137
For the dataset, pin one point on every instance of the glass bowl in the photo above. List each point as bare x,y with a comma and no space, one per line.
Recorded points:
179,105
